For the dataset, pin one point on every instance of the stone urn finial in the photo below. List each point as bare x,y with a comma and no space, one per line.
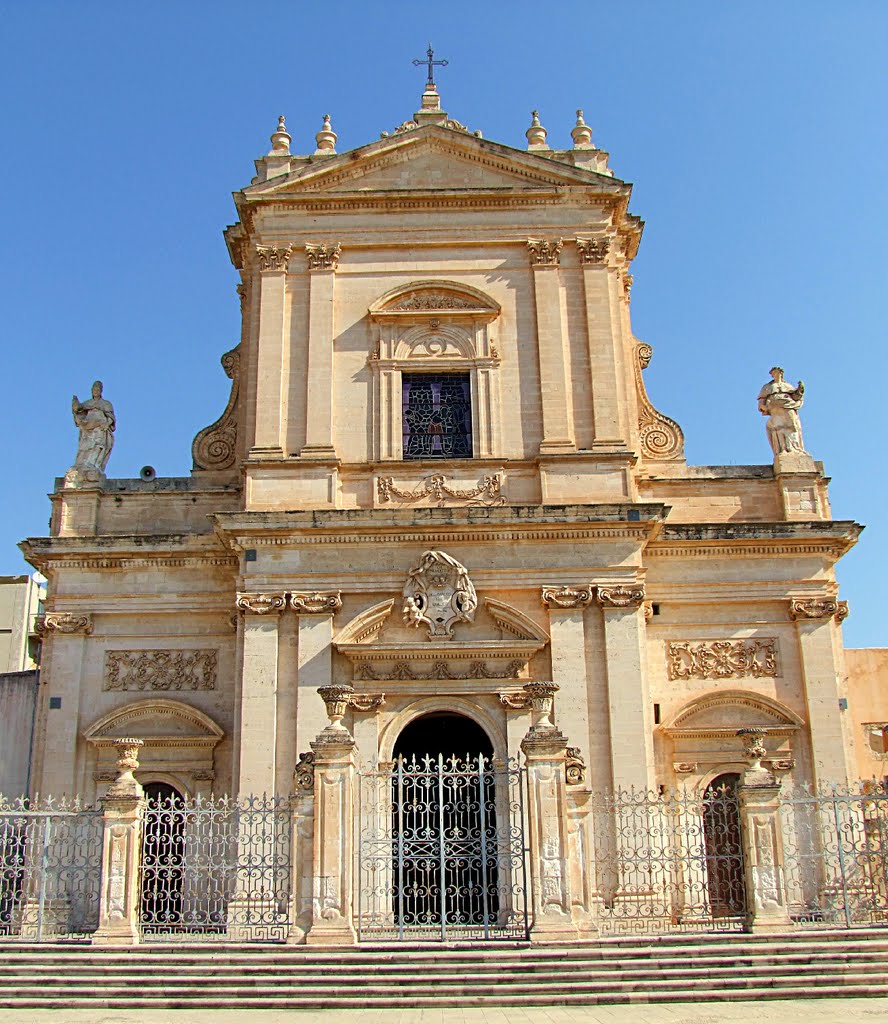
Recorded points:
326,139
541,697
280,139
126,783
536,133
336,699
581,133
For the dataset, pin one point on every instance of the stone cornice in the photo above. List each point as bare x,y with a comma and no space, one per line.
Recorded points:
166,551
731,540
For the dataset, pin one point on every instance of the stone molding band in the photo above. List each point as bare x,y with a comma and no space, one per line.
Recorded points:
303,603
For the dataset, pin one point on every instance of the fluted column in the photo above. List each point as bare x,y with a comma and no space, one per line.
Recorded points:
272,261
322,263
557,432
258,692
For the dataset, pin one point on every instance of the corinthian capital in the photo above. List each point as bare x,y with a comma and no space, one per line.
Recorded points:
816,608
620,597
593,250
66,622
316,603
261,604
566,597
272,257
544,252
323,257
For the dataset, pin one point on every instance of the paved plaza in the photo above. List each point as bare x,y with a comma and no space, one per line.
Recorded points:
790,1011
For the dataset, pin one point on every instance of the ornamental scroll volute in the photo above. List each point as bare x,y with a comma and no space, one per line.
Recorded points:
438,593
660,437
215,447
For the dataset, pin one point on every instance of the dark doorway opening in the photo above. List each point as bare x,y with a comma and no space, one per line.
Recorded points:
724,847
444,827
163,858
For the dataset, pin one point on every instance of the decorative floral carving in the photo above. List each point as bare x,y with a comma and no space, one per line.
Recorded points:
593,250
566,597
66,622
753,745
722,659
816,608
440,670
842,612
323,257
620,597
272,257
574,767
660,437
439,593
434,487
316,603
215,447
304,773
545,252
433,300
366,701
684,767
160,670
261,604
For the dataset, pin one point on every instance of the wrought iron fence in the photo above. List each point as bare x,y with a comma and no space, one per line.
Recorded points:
835,856
50,870
668,862
216,868
441,851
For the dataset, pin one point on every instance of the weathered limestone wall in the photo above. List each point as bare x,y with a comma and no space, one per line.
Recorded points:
867,673
18,703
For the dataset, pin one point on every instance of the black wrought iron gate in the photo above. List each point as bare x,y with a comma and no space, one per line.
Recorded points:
441,851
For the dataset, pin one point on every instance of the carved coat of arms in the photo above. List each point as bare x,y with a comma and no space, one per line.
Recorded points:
439,593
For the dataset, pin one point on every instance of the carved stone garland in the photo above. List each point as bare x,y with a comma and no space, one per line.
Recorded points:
435,488
660,437
215,447
438,593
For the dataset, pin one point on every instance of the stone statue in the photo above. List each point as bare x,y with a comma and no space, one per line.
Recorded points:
781,401
95,419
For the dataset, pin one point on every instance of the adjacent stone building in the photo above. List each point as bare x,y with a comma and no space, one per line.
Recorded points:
439,479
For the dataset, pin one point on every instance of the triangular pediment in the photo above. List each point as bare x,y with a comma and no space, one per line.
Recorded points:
428,159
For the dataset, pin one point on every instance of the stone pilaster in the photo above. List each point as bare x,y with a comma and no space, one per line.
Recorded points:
258,692
545,750
821,671
322,262
557,407
314,654
273,323
631,739
122,806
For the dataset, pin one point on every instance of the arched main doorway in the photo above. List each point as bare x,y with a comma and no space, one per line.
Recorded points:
724,847
442,850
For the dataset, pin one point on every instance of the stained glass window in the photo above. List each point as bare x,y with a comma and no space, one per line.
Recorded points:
437,417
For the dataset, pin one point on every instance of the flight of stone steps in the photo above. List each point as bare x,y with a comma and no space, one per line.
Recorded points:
620,970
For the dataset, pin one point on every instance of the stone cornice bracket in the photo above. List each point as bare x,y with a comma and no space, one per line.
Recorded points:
316,603
566,597
66,622
261,604
272,257
304,772
593,250
816,608
366,701
620,597
323,257
545,252
574,767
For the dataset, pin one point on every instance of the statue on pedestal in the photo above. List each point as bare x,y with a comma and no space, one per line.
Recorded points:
781,401
96,422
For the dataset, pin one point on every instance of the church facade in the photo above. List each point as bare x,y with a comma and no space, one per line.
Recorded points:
440,515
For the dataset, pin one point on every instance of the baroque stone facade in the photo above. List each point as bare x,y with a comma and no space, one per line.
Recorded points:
439,488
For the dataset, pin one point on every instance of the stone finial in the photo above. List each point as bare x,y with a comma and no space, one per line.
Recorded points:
280,139
126,783
536,133
336,699
581,133
326,139
541,698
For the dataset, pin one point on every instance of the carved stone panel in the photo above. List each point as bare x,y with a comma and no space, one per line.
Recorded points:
160,670
438,593
722,659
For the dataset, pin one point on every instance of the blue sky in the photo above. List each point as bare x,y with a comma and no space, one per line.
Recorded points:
755,135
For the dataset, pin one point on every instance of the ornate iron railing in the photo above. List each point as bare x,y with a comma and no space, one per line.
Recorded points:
217,868
835,856
441,851
50,870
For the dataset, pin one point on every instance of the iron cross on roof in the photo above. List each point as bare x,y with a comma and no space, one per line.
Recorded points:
431,62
